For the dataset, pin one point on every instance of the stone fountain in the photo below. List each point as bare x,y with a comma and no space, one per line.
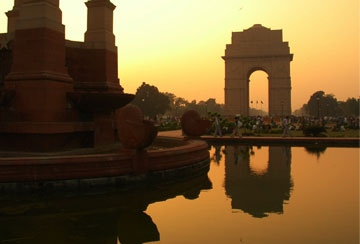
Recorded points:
58,96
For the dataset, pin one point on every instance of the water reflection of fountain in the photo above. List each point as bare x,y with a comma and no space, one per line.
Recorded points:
105,218
258,194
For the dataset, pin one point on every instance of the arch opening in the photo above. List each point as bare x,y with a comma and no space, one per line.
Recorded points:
259,163
258,92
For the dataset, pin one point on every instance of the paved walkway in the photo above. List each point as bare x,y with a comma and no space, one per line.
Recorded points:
351,142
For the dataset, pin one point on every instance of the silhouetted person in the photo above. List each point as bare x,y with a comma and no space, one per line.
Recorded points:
237,126
217,153
217,127
285,124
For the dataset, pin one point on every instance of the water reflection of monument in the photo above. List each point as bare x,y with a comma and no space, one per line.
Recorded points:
258,194
107,219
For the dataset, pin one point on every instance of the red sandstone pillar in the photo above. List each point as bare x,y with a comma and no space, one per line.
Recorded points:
100,44
38,74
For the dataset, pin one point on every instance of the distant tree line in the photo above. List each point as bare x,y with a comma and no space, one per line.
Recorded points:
179,105
155,103
321,104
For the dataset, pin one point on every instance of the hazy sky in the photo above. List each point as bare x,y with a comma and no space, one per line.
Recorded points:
177,45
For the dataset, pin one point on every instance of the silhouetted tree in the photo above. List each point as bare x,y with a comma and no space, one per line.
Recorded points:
303,111
212,106
321,104
350,107
151,101
179,105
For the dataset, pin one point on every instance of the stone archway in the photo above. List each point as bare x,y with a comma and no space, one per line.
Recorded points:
257,48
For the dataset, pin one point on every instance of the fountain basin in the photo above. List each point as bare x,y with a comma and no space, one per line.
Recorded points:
121,167
193,125
99,101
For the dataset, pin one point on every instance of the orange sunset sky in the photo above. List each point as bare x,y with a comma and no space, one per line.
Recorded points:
177,45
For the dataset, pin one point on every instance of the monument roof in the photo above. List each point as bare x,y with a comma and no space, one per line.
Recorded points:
258,26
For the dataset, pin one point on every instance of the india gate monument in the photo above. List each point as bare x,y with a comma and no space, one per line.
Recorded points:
257,48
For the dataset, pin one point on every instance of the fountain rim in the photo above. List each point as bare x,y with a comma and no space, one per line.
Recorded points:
121,169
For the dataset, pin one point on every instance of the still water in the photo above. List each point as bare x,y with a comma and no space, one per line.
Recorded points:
251,195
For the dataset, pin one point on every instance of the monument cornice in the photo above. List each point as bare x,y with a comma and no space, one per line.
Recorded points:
12,13
100,3
41,75
259,57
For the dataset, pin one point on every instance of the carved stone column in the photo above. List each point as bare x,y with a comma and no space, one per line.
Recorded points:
101,49
99,34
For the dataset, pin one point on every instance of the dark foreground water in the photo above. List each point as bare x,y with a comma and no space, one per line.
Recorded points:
251,195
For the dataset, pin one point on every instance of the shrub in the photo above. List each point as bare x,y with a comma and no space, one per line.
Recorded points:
170,126
314,130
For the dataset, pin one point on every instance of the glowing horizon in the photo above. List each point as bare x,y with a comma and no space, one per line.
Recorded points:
177,46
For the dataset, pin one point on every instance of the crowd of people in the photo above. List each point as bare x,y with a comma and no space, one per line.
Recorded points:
263,124
290,123
284,125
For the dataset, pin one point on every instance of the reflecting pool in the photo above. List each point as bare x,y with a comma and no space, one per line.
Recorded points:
251,195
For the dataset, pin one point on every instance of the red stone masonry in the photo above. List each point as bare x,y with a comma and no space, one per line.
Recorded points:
94,69
39,50
49,168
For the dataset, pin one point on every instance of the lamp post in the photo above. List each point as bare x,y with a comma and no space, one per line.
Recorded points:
251,106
